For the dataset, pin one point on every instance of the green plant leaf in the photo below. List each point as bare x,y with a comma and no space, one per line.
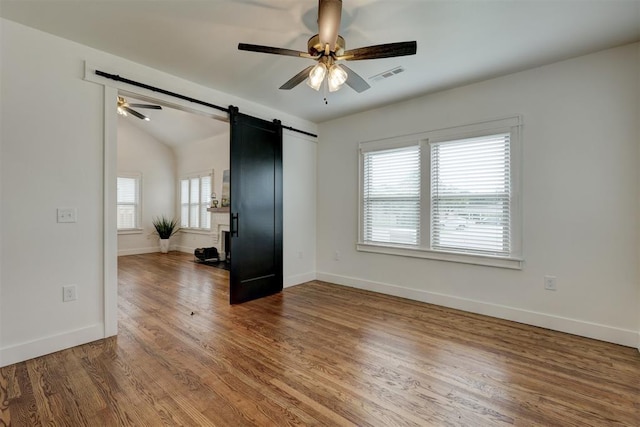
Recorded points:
165,227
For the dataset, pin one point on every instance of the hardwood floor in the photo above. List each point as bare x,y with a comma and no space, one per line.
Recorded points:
317,354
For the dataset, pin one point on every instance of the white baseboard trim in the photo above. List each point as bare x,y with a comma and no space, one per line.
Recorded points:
138,251
153,249
29,350
298,279
597,331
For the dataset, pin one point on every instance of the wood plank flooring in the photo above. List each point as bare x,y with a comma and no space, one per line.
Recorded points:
317,354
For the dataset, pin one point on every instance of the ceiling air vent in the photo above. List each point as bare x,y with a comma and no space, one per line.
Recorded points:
386,74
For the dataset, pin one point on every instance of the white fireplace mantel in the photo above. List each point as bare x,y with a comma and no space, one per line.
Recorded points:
220,223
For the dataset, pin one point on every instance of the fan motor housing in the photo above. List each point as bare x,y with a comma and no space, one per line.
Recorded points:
315,48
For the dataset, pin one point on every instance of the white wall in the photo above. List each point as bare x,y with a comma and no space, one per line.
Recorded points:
580,187
139,152
52,132
199,156
638,229
1,192
53,138
299,208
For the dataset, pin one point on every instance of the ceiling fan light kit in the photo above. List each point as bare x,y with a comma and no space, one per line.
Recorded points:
327,47
337,77
316,75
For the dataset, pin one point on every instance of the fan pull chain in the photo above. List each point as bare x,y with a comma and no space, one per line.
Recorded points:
325,92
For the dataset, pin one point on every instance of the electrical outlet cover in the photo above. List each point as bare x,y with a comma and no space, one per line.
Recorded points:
69,293
550,283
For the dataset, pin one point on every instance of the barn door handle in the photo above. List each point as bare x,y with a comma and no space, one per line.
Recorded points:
234,225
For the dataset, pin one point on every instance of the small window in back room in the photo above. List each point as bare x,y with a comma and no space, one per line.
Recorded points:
195,193
129,201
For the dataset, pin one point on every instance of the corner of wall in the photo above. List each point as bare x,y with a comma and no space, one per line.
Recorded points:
298,279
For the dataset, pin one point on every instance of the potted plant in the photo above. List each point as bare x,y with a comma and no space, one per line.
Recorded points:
165,228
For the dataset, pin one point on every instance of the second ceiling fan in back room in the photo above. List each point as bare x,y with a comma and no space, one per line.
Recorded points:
327,48
124,108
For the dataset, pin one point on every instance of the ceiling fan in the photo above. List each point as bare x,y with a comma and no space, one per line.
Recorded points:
327,47
124,108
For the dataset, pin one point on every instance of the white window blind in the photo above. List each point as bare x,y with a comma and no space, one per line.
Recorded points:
128,203
391,196
205,198
195,193
184,203
471,194
194,203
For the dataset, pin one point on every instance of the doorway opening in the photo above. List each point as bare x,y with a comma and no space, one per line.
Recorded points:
171,163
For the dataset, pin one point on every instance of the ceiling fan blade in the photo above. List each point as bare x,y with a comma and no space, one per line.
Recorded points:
153,107
135,113
272,50
329,15
263,4
354,80
388,50
297,79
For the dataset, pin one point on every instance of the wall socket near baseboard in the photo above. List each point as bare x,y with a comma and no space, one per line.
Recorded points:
550,283
69,293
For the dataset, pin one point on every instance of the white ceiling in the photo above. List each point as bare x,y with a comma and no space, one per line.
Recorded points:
459,42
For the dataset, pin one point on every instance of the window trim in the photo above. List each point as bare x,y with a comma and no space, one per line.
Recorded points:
139,229
189,177
510,124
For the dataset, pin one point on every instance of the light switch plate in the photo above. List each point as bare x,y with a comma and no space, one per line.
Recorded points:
67,215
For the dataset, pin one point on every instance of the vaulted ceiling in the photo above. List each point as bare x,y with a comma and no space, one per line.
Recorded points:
459,42
172,126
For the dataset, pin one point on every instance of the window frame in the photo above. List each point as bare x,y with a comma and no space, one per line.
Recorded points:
512,125
189,178
138,204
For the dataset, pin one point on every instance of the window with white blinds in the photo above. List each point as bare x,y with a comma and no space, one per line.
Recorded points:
391,196
471,195
450,194
128,201
195,193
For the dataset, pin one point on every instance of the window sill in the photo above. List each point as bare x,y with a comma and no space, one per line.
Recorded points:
490,261
196,231
131,231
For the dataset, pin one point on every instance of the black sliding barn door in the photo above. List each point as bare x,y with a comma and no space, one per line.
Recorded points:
256,208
